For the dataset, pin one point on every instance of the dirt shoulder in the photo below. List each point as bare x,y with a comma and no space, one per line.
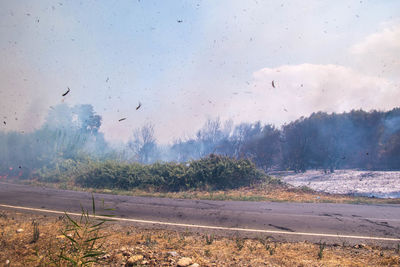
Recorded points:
132,246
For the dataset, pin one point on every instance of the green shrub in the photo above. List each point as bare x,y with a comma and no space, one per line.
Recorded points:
221,172
62,170
213,172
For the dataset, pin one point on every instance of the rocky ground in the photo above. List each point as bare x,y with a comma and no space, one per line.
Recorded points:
127,245
380,184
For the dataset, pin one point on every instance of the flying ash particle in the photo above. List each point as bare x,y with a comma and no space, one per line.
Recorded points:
66,92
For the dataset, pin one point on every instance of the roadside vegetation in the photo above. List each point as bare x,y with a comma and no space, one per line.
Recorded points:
126,245
213,172
214,177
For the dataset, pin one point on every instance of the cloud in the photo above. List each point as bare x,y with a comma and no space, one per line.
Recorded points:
306,88
379,53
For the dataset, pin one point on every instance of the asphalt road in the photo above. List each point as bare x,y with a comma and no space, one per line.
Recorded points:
315,222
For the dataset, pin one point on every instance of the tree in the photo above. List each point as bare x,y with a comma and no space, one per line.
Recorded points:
69,130
264,147
143,144
297,138
87,120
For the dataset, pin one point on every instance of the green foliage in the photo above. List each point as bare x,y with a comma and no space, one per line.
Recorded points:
60,170
36,232
212,172
207,253
209,239
149,242
82,236
321,250
268,246
239,243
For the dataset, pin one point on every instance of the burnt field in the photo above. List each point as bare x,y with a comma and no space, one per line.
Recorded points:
378,184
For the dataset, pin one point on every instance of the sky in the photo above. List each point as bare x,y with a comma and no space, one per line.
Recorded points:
187,61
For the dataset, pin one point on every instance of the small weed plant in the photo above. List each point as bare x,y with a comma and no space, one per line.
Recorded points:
209,239
321,250
83,246
36,232
239,243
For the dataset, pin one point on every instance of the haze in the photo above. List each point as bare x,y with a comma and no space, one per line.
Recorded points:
187,61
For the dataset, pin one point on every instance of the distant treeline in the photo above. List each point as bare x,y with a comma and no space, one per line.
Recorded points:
357,139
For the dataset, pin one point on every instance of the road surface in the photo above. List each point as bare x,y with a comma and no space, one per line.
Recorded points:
315,222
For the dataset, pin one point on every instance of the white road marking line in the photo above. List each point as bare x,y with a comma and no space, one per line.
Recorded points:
210,227
330,215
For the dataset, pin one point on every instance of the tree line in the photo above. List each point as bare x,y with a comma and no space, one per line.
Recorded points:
356,139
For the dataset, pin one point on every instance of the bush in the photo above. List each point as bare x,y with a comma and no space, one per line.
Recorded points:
212,172
62,170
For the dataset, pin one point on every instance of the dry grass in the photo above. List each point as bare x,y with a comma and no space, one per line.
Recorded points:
158,247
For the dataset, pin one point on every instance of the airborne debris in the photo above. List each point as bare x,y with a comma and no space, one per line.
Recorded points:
66,92
273,83
140,104
122,119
